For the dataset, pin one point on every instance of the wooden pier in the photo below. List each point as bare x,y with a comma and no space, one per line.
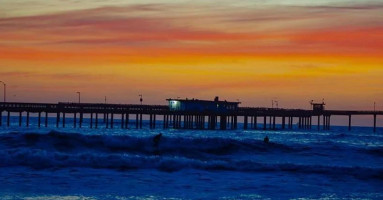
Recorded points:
132,115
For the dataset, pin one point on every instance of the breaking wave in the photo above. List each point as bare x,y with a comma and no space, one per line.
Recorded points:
61,150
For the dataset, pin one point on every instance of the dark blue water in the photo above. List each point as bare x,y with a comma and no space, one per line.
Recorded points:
68,163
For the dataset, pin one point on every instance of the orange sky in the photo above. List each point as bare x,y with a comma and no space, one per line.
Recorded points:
253,52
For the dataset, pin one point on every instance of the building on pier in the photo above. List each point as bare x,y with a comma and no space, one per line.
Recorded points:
196,105
318,107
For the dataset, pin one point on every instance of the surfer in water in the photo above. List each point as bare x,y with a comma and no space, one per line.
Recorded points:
156,139
156,142
266,139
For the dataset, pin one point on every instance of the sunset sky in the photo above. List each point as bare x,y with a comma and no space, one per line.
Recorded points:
255,51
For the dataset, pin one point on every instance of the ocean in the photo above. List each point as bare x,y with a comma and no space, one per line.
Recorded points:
84,163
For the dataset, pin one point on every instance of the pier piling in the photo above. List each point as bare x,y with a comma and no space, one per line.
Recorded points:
27,119
39,119
46,119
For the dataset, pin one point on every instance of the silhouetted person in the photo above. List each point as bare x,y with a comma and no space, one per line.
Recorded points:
156,142
266,139
156,139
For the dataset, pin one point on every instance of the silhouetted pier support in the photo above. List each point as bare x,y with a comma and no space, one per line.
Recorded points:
200,122
212,122
39,120
91,120
46,119
63,119
374,122
20,118
126,120
75,120
137,123
222,123
57,119
107,120
245,118
27,119
111,120
274,127
96,121
8,118
264,122
349,122
235,121
81,119
290,122
326,122
255,122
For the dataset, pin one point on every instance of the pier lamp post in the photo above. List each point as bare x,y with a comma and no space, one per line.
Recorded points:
5,91
374,106
79,97
140,98
105,99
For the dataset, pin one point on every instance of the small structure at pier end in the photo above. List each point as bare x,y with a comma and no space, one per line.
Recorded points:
318,107
196,105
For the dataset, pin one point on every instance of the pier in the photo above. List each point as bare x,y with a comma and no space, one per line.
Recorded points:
127,115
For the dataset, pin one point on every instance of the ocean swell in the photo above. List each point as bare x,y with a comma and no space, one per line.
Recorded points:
64,150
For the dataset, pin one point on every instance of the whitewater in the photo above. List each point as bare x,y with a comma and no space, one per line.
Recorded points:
84,163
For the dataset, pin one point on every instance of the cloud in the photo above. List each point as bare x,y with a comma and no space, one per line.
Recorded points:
177,28
56,76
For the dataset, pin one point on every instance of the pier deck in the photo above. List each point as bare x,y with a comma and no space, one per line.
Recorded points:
105,114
